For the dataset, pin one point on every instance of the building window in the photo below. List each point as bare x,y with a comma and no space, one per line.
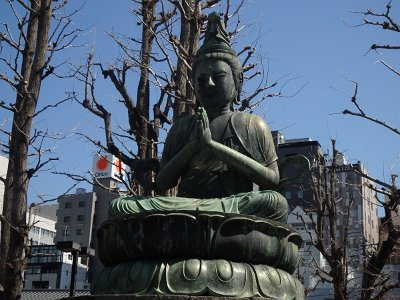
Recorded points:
68,204
33,270
299,194
84,260
79,231
65,232
40,284
288,195
36,229
299,227
50,270
67,219
81,218
47,233
354,212
82,204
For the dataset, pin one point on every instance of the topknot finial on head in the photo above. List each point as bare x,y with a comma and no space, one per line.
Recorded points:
216,29
216,37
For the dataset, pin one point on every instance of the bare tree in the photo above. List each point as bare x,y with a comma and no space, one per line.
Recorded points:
26,55
334,240
331,223
375,283
336,225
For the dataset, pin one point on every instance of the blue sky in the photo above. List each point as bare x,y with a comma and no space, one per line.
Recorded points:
313,40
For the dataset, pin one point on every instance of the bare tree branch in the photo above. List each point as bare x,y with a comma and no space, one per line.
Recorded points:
362,114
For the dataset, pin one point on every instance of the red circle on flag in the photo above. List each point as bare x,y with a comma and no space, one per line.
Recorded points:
102,164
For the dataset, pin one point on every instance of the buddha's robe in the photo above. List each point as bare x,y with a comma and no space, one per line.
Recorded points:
208,177
209,184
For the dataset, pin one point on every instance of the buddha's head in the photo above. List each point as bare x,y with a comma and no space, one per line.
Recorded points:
217,72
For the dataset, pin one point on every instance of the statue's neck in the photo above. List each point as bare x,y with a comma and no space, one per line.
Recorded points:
213,113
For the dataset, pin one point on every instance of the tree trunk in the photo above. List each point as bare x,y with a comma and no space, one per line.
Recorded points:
145,135
189,41
340,284
14,230
143,91
378,260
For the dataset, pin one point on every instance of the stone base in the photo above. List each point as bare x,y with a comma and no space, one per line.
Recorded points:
195,277
185,235
156,297
197,255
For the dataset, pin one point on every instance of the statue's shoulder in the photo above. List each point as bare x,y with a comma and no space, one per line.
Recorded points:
179,134
182,125
248,121
183,121
255,137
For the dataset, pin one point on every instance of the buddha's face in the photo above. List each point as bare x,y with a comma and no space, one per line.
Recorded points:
214,84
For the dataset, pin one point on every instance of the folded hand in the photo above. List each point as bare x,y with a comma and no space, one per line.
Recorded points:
203,127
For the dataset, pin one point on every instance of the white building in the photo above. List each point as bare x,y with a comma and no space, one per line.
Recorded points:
3,173
49,268
43,228
310,258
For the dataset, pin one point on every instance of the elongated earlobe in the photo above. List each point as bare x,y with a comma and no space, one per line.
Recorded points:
239,88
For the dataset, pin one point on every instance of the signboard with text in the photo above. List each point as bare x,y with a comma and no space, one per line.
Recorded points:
107,166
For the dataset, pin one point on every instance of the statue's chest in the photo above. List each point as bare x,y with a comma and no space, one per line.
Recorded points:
220,129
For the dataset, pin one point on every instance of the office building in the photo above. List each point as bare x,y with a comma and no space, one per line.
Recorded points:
299,193
356,203
75,217
310,258
357,198
43,225
80,215
50,268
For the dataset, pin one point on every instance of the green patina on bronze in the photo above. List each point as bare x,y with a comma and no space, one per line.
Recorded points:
266,204
199,277
262,241
217,152
217,156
